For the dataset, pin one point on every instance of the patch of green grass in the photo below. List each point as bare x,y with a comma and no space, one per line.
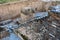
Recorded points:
5,1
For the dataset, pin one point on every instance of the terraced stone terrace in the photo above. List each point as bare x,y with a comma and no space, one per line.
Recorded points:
46,26
42,24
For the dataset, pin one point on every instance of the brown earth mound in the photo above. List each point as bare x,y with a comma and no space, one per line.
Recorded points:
13,10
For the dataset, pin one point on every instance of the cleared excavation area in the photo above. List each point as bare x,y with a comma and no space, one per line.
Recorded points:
30,20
